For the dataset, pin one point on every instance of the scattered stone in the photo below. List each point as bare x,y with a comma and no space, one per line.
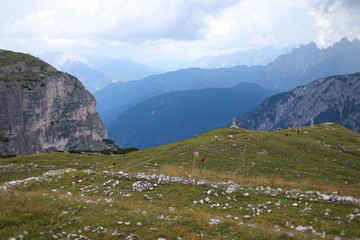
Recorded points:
214,221
140,186
304,229
263,152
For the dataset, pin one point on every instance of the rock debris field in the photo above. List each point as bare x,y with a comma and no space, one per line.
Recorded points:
106,204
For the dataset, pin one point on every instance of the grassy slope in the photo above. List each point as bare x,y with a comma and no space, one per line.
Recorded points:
58,206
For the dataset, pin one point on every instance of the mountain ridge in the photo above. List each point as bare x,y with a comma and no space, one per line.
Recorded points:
180,115
332,99
299,67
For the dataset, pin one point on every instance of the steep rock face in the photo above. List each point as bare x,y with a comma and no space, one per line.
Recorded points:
333,99
42,109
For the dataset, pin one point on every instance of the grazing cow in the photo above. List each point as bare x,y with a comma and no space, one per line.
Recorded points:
114,163
203,160
196,154
232,136
306,132
287,133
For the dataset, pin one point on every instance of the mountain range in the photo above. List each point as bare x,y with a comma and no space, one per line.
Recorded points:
299,67
332,99
180,115
261,56
97,71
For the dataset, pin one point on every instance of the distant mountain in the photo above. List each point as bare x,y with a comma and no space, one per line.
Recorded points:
122,70
300,67
97,71
332,99
180,115
59,59
94,80
306,63
251,57
117,97
43,110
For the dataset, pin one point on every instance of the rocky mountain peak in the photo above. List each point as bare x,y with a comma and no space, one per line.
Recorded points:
332,99
42,109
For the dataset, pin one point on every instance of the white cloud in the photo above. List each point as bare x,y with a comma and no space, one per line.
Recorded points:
161,28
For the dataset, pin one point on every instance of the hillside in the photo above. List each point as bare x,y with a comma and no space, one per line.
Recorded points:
257,185
43,110
179,115
332,99
299,67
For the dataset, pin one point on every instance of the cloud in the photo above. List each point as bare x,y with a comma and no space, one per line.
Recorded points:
185,29
133,21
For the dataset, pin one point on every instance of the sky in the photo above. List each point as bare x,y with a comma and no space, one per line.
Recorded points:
147,30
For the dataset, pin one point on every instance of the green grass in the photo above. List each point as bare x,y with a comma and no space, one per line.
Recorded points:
78,202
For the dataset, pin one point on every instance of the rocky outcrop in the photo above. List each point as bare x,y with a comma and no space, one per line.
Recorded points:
42,109
333,99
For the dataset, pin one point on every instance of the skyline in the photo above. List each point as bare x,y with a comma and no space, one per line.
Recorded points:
158,29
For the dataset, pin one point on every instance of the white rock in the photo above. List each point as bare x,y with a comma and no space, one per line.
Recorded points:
304,229
214,221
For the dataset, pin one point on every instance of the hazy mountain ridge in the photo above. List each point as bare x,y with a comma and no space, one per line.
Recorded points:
332,99
43,109
299,67
306,63
250,57
98,71
180,115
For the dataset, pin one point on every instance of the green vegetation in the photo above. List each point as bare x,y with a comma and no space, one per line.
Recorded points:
275,179
8,58
22,68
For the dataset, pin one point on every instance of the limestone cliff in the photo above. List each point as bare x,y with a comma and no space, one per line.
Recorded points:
42,109
332,99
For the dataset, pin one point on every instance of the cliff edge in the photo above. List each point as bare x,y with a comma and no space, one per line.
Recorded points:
42,109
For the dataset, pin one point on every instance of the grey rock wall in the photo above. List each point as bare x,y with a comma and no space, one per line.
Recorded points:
333,99
42,109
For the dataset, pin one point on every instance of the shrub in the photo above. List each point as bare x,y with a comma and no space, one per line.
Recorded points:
75,151
106,151
125,150
8,156
108,141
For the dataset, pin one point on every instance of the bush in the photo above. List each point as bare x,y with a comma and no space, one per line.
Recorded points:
106,151
75,151
125,150
8,156
108,141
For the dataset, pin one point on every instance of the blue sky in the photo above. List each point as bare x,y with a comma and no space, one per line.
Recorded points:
146,30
